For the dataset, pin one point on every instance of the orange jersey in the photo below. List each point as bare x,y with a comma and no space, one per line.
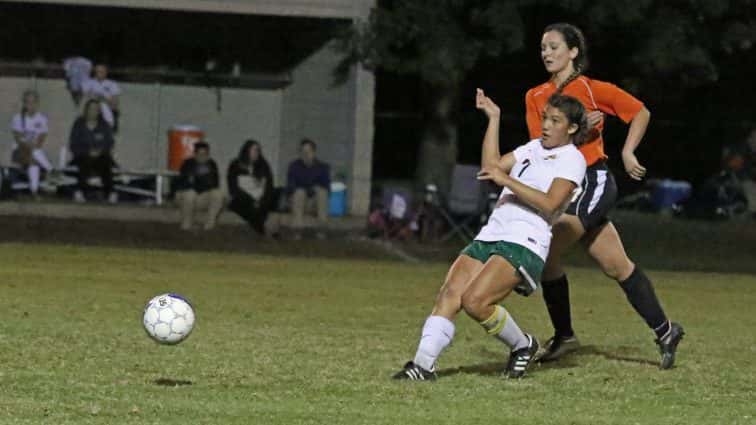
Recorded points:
595,96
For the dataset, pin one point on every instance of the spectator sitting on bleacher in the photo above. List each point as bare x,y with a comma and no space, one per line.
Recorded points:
250,184
29,133
106,91
309,182
91,143
198,188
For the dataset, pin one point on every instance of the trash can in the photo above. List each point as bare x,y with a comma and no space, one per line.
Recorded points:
337,204
181,140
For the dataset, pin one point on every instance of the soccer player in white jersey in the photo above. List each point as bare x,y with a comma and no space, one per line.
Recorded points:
29,129
539,179
106,91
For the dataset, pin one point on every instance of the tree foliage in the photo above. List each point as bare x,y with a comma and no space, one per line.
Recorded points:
664,50
440,41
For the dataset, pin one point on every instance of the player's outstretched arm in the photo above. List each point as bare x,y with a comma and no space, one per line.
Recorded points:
490,155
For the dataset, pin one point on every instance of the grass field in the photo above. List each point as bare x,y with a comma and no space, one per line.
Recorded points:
313,341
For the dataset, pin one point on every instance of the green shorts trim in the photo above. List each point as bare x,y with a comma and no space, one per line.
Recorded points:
525,261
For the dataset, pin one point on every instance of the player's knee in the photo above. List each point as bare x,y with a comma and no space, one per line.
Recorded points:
449,293
552,271
473,304
617,270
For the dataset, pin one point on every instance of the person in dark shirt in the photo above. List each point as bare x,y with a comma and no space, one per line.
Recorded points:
250,185
91,143
309,181
198,188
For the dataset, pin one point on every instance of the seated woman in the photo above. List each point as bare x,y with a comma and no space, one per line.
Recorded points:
250,185
29,133
91,143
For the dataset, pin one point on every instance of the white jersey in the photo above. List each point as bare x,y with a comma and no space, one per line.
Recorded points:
100,89
516,222
30,126
104,89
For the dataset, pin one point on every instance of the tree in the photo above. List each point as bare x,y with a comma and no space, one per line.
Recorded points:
439,41
683,43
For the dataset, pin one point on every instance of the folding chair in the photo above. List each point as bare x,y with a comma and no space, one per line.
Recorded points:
395,216
465,203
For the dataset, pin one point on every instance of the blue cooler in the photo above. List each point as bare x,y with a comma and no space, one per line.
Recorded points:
337,202
669,192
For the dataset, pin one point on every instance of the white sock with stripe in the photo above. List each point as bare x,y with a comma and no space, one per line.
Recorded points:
438,333
502,325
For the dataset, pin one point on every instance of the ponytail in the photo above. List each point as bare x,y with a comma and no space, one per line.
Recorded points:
574,76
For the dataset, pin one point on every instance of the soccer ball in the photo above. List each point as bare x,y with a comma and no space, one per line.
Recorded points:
168,318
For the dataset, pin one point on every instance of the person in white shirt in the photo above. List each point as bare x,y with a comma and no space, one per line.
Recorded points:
77,71
107,92
29,129
539,179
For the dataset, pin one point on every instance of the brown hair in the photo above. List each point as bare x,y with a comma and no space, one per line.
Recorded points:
574,38
575,113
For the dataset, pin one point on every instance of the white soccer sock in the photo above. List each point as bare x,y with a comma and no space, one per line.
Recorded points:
33,173
39,156
502,325
438,333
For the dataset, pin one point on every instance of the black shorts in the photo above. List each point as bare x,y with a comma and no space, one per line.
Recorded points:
599,193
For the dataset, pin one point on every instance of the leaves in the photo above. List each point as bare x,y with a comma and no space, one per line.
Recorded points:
441,41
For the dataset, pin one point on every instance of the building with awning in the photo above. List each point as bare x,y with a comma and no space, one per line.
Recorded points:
269,75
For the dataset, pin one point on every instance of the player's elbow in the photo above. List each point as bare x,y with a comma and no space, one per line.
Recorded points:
551,207
644,114
488,163
547,210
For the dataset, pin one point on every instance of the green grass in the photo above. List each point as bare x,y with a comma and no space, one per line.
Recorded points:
313,341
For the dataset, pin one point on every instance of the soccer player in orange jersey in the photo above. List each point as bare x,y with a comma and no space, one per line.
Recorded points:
564,54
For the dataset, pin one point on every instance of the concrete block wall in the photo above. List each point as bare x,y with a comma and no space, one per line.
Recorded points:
315,108
337,117
148,112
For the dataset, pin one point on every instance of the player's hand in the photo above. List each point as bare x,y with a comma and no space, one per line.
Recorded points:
632,166
494,174
485,104
594,118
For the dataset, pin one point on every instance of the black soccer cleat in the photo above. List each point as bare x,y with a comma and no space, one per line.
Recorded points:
558,346
519,360
413,372
668,345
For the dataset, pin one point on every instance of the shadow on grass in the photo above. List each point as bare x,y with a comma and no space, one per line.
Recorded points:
595,351
568,362
168,382
485,369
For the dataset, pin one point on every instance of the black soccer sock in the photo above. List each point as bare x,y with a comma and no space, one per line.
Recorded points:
642,297
556,293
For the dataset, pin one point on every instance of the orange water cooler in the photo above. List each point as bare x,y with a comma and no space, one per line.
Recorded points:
181,140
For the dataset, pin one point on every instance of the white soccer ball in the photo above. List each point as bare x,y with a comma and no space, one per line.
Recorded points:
168,318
